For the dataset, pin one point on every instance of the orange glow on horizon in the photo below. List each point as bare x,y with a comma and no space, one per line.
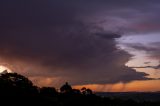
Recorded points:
135,86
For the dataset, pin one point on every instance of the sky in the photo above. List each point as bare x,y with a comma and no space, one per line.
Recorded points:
106,45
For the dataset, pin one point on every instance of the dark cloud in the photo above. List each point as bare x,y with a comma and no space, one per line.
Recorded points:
66,40
154,67
147,62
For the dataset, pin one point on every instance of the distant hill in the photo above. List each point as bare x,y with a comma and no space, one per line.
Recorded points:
137,96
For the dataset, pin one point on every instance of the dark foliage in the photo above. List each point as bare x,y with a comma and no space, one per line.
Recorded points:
17,90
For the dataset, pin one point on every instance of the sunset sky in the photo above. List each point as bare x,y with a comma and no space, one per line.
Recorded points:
106,45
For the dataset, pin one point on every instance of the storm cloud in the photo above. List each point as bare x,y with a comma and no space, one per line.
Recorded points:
59,40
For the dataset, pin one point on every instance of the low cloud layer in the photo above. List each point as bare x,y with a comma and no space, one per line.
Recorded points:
61,41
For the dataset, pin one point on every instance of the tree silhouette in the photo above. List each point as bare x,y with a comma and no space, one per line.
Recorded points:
13,82
66,88
48,91
76,91
86,91
15,87
83,90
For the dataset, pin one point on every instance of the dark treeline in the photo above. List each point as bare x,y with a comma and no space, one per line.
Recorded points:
17,90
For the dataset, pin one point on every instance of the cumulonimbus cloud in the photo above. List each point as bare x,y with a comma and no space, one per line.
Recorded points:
51,39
